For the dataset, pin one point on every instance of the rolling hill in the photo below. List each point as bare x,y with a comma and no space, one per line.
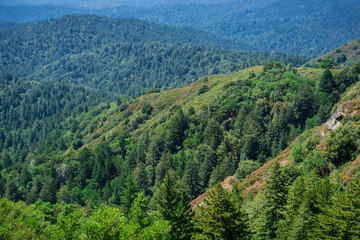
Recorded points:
264,124
124,56
310,27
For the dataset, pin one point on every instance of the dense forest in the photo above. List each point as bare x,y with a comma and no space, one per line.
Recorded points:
133,173
310,27
126,56
126,129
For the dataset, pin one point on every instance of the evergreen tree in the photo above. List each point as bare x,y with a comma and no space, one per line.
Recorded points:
220,217
276,192
176,131
25,176
165,164
191,179
167,203
213,134
327,82
184,214
48,190
5,159
140,177
207,159
12,192
168,200
341,219
128,194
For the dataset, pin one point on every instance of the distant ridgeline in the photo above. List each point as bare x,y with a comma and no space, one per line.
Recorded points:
306,27
122,55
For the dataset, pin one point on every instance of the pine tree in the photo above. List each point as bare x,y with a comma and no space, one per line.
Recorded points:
128,194
168,200
170,208
220,217
184,214
276,195
190,178
165,164
341,220
176,131
140,177
213,134
327,82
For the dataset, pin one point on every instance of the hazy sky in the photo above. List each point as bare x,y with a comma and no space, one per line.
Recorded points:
101,3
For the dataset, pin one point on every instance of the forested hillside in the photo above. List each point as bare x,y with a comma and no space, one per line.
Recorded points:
125,56
33,114
306,27
346,55
134,165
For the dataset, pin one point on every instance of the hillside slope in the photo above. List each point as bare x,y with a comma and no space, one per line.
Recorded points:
188,139
124,56
346,55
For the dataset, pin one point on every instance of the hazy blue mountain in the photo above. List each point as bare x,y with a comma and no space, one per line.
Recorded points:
122,55
311,27
104,3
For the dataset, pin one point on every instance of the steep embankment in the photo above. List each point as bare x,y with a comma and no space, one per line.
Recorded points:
346,113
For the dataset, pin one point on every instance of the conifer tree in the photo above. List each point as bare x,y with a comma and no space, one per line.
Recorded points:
175,209
341,219
220,217
276,195
176,135
190,178
140,177
128,194
168,200
327,82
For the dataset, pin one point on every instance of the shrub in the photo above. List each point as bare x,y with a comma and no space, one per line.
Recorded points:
203,89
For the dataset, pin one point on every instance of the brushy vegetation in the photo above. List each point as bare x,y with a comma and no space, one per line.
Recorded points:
134,164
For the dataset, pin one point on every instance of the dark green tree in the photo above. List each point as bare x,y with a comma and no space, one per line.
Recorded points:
175,209
326,63
147,109
341,219
276,193
140,177
176,131
128,194
327,82
220,217
11,191
340,146
191,179
213,134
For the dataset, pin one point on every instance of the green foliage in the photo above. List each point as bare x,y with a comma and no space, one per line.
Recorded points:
298,152
105,223
245,168
203,89
327,82
174,208
340,146
341,219
220,217
276,196
147,109
326,63
125,56
176,130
